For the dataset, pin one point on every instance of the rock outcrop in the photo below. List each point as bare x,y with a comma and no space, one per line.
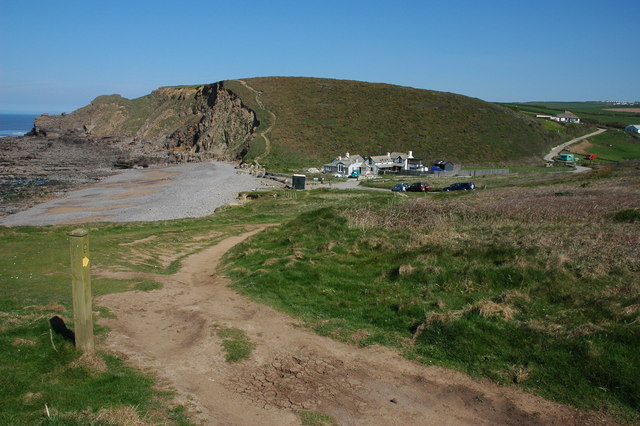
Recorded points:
174,124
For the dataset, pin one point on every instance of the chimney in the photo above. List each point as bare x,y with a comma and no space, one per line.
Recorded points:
339,157
410,155
346,155
389,154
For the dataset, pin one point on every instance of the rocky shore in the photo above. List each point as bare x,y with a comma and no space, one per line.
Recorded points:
34,169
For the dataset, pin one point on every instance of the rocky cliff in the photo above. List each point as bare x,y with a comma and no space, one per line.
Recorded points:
171,124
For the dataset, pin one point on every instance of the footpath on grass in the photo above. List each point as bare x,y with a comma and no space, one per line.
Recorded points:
292,372
265,132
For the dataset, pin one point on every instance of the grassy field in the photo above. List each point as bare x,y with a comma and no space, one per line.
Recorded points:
532,282
596,113
615,145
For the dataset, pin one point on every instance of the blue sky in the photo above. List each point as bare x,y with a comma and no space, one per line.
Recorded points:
58,56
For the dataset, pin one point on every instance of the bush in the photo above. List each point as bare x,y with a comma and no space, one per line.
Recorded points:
629,215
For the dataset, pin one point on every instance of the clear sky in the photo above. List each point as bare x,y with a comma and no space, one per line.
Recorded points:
58,55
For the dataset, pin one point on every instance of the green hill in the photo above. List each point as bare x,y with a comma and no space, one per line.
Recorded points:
317,119
287,123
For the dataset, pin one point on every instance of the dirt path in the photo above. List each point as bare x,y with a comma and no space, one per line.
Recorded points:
267,141
169,332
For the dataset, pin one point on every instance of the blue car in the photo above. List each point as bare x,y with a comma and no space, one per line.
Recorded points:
400,187
460,186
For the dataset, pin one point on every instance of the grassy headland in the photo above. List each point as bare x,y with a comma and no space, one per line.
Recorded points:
318,119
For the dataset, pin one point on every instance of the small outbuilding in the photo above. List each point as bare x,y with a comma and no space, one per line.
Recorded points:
298,181
442,166
633,128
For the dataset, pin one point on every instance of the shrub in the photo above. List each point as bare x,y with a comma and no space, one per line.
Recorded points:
628,215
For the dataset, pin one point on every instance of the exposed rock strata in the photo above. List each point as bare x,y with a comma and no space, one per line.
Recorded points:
170,125
174,124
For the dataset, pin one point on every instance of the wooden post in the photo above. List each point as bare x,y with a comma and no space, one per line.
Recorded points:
81,289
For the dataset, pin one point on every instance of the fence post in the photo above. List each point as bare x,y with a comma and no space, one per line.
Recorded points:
81,290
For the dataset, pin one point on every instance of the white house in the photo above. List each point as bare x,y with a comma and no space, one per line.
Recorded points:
347,165
392,162
566,117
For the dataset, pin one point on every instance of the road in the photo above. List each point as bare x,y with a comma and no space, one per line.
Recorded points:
556,150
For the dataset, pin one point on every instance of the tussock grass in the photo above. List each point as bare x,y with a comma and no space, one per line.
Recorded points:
235,342
515,283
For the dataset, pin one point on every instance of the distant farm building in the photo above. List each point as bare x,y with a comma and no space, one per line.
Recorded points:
565,117
633,128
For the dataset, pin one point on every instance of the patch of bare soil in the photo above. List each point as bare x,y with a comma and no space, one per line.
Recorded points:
623,109
171,332
582,147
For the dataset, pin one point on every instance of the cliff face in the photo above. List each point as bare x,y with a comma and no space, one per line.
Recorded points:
174,123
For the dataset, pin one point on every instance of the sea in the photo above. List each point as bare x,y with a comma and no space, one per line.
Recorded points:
15,125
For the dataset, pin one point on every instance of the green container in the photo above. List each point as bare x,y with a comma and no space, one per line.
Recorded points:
298,181
567,157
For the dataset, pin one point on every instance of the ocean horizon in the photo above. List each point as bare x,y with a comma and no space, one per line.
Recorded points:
15,125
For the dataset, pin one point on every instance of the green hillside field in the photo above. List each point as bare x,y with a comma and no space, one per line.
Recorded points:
596,113
318,119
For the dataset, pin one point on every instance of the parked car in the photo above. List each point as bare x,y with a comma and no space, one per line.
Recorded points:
354,174
400,187
460,186
419,187
590,157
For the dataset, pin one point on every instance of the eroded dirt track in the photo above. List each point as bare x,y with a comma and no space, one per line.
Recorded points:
170,332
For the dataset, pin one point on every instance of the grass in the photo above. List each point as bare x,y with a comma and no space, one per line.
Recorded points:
311,418
75,389
515,284
235,342
597,113
628,215
615,145
35,283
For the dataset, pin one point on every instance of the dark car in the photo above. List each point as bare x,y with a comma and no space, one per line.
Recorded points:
399,187
460,186
419,187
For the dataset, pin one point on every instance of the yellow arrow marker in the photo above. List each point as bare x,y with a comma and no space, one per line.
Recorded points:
85,261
